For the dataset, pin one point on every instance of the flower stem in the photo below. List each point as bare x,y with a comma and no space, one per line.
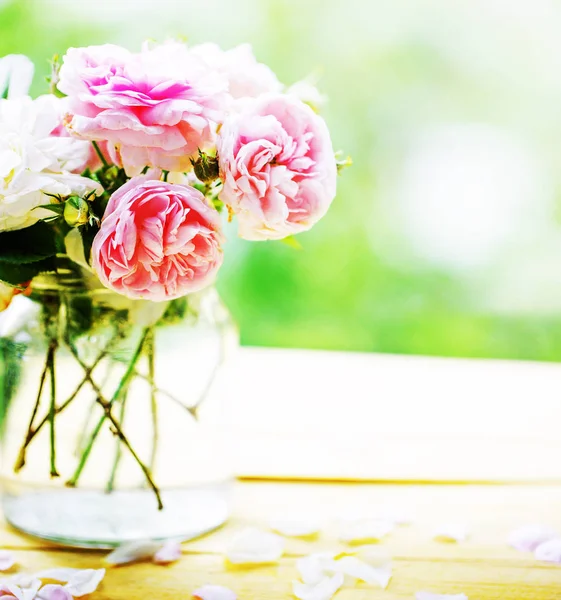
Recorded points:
100,154
150,342
106,405
33,431
20,462
118,450
52,411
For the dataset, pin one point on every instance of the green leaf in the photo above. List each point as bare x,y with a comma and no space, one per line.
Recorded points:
28,245
16,274
88,233
56,208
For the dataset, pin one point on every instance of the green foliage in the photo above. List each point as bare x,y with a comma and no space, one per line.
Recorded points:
11,354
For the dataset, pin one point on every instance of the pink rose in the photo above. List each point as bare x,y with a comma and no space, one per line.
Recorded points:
157,107
278,167
157,241
245,76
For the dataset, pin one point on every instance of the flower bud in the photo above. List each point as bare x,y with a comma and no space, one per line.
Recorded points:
76,211
206,167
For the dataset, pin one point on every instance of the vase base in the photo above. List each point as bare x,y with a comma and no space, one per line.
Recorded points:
90,519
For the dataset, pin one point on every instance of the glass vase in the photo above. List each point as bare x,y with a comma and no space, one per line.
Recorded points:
109,430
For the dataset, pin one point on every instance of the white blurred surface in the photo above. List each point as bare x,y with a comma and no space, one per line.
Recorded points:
294,413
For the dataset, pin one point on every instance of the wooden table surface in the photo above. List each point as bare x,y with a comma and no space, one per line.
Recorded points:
483,567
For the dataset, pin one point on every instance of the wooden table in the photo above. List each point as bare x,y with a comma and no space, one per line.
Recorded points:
333,416
484,567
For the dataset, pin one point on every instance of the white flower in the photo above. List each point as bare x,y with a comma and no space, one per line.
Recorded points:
245,76
34,163
16,74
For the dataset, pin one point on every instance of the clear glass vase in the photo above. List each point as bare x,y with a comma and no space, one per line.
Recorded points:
109,433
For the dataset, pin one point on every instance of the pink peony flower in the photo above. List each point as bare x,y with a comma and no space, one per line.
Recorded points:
245,76
278,167
157,107
157,240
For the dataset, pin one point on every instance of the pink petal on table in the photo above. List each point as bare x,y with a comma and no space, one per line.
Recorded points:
53,591
549,551
323,590
431,596
528,538
214,592
168,553
7,560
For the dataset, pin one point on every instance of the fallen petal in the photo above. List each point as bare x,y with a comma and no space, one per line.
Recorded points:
354,567
451,533
528,538
53,591
7,560
133,552
365,530
549,551
253,546
315,567
431,596
57,574
84,581
323,590
214,592
168,553
295,527
22,587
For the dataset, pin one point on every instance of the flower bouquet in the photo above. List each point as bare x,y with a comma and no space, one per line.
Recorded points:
113,189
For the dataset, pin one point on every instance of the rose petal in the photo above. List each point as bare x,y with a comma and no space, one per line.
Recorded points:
323,590
315,567
529,537
451,533
214,592
549,551
132,552
365,530
23,587
354,567
7,560
168,553
252,546
79,582
53,591
295,527
431,596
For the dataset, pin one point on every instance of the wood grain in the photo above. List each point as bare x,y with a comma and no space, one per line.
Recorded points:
483,567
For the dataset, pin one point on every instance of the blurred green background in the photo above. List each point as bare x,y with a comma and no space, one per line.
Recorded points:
444,238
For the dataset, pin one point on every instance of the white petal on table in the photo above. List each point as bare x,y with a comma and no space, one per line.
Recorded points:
214,592
253,546
53,591
549,551
529,537
365,530
7,560
168,553
79,582
431,596
133,552
323,590
358,569
22,587
295,527
451,533
315,567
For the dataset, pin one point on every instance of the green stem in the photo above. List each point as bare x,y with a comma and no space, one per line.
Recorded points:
52,411
120,388
118,450
100,154
150,341
33,431
20,462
